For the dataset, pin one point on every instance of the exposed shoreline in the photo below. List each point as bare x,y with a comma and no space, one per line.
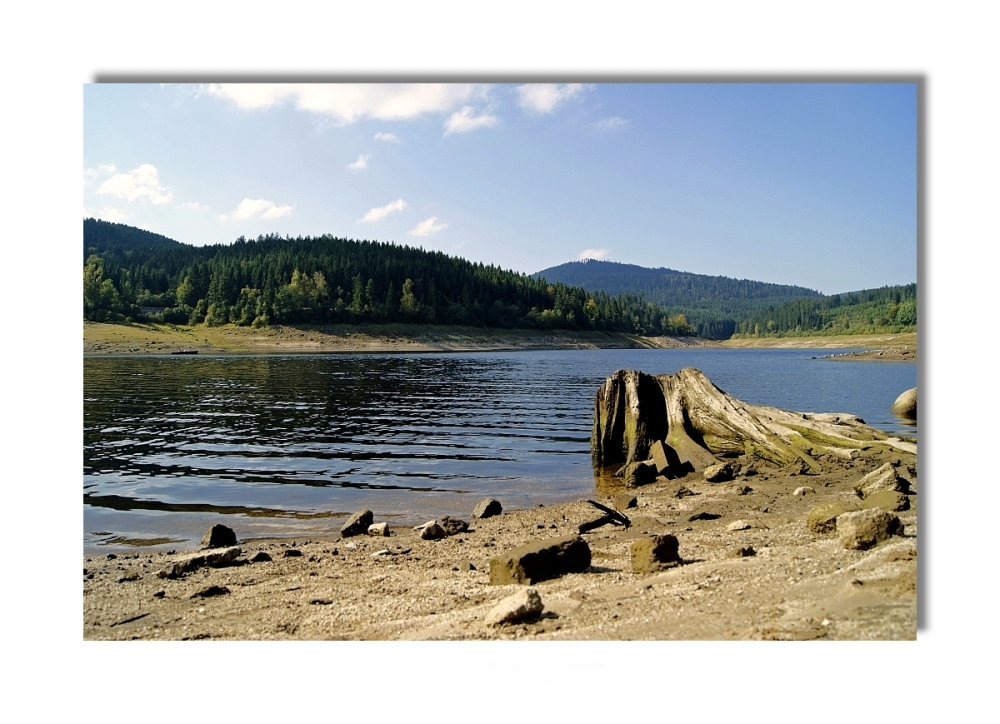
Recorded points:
163,339
796,585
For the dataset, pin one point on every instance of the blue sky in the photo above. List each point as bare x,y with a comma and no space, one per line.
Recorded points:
809,184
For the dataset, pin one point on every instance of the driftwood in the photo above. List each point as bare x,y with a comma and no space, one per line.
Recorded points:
698,423
610,516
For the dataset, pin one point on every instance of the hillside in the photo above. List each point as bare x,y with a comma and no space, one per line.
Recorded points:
712,304
131,274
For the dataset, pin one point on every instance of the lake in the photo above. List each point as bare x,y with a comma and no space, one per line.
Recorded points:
290,445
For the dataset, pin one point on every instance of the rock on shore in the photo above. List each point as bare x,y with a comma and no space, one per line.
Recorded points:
540,561
906,404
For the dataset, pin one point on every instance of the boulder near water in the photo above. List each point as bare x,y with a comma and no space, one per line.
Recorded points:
487,508
219,536
906,404
357,524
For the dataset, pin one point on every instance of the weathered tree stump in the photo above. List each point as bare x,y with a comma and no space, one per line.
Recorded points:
698,423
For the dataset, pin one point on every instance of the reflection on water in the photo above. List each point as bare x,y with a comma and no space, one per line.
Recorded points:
280,445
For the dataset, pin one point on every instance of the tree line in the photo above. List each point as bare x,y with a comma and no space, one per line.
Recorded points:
131,274
870,311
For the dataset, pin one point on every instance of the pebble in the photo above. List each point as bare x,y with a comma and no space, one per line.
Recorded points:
379,529
803,490
738,525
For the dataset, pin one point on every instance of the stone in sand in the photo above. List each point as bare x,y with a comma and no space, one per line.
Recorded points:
214,557
451,526
864,529
822,520
521,605
906,404
487,508
738,525
719,473
889,500
681,491
654,553
803,491
219,536
540,561
430,530
639,473
261,557
210,592
357,524
379,529
883,478
624,501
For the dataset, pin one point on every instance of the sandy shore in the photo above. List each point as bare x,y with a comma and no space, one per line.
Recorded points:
796,585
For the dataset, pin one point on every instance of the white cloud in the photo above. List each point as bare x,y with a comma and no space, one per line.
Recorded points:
465,120
427,227
349,102
380,212
594,254
192,206
257,208
360,164
107,214
107,167
391,137
137,183
544,97
612,124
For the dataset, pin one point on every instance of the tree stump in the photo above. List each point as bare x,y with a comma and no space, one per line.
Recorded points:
698,423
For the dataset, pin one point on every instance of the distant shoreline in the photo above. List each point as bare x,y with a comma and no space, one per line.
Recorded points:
101,339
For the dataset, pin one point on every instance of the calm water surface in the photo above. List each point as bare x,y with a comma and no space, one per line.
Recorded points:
288,446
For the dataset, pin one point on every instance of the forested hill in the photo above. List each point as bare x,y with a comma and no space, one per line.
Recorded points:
133,274
713,304
869,311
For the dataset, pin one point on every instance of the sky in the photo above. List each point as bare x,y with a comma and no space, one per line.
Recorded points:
813,184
